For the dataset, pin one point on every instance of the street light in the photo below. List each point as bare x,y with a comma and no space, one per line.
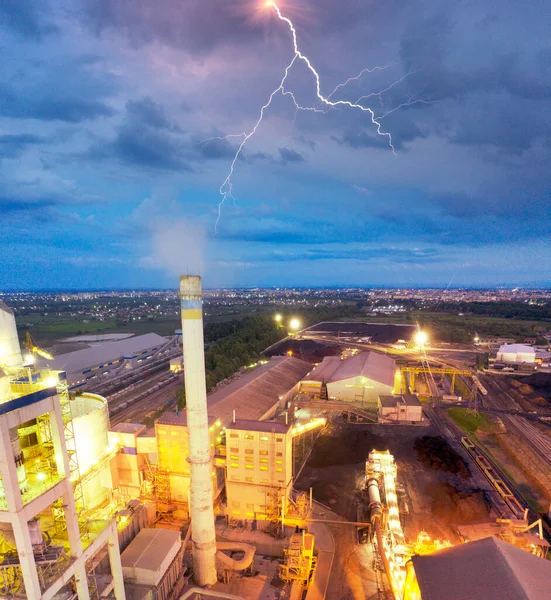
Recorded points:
294,324
278,318
421,338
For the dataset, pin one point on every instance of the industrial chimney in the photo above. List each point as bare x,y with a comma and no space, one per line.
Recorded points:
201,505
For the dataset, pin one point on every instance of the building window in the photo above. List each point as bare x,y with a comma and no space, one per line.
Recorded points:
263,460
279,439
236,504
279,453
236,512
249,466
250,506
235,435
280,481
249,436
264,452
249,459
279,462
250,514
263,481
234,478
235,465
234,457
234,449
279,469
264,438
249,451
263,468
249,479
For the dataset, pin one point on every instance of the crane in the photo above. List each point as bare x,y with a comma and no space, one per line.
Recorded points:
33,349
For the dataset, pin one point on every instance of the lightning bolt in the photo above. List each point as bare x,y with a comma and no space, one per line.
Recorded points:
226,189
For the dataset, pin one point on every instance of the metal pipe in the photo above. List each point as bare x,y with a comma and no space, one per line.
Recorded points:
201,502
212,593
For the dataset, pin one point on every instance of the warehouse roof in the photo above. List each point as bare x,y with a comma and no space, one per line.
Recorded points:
516,349
171,418
80,360
257,392
149,549
262,426
485,569
392,401
371,365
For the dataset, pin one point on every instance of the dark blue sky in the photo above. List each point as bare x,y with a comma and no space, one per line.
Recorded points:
106,179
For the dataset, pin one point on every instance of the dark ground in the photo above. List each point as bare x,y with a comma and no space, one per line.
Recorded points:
436,498
381,333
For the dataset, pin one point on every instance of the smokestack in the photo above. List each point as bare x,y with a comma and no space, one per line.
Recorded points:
203,536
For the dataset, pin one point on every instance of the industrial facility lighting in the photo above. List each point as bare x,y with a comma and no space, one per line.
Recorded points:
51,381
278,318
294,324
421,338
41,476
29,359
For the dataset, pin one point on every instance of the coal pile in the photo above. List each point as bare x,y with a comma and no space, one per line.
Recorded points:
436,453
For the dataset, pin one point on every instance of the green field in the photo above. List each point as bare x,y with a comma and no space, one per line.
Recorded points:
470,421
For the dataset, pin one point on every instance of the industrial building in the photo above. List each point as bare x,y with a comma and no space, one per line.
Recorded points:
259,468
485,569
404,407
362,378
108,359
55,484
516,353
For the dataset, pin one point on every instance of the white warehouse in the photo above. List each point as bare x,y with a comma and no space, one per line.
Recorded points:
516,353
361,378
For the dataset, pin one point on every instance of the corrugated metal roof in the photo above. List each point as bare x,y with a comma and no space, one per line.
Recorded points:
516,349
149,549
486,570
371,365
262,426
254,394
78,361
325,370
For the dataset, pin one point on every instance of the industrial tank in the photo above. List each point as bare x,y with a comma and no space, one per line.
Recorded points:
90,423
10,351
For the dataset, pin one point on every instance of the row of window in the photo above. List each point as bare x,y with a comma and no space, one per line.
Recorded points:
235,465
252,480
250,436
251,451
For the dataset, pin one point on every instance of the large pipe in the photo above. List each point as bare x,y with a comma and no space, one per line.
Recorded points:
201,503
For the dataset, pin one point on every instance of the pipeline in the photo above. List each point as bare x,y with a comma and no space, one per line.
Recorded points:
230,563
212,593
384,557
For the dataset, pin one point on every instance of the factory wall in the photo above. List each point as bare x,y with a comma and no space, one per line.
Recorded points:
257,463
358,389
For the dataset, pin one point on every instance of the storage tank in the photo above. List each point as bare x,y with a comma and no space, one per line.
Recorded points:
90,423
10,350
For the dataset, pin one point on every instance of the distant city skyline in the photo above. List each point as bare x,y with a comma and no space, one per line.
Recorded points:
111,127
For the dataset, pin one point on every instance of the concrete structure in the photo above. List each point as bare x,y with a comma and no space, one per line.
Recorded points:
149,555
516,353
10,351
47,487
201,501
360,379
405,407
106,359
172,441
486,570
259,468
